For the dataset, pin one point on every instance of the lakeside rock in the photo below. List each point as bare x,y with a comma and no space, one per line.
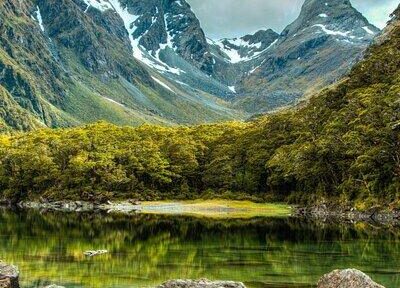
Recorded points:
203,283
93,253
64,206
9,276
327,212
126,207
349,278
321,212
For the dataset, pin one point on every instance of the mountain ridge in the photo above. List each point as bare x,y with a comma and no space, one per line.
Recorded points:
323,40
135,61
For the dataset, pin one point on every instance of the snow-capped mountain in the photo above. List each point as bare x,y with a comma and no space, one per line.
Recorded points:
156,25
315,50
167,36
65,62
245,48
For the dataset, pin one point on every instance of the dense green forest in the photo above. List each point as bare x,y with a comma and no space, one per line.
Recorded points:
342,145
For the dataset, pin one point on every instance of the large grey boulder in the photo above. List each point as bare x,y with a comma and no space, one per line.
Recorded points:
204,283
9,275
349,278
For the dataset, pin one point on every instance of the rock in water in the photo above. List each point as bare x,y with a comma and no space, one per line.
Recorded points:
9,275
92,253
349,278
204,283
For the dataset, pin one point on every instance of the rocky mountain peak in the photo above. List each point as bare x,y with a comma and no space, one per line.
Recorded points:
265,37
246,48
157,25
332,17
317,48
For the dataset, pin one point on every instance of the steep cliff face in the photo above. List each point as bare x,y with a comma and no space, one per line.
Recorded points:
170,23
98,39
25,61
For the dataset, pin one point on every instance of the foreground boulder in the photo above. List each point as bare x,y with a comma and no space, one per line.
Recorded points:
204,283
9,275
349,278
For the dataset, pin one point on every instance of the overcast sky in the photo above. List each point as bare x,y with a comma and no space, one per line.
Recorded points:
233,18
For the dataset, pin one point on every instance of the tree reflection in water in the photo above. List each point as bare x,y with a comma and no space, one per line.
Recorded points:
145,250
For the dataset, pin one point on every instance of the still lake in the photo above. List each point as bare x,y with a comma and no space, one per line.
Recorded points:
145,250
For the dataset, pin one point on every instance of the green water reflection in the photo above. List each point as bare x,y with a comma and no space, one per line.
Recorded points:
146,250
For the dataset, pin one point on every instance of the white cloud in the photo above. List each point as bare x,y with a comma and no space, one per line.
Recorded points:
377,12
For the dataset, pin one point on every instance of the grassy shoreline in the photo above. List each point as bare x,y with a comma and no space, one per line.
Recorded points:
216,208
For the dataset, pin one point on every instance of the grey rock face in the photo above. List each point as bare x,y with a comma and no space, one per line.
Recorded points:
89,32
349,278
17,42
9,275
265,37
201,284
335,15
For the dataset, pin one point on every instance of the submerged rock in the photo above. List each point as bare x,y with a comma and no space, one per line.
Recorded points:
334,212
349,278
63,206
204,283
9,276
92,253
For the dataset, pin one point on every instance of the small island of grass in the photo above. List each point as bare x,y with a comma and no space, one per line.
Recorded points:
216,208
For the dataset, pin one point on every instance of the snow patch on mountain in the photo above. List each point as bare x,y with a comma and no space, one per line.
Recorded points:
368,30
169,43
138,51
231,48
162,84
232,88
113,101
333,32
38,18
101,5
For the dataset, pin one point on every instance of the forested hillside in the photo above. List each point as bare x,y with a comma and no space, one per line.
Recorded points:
343,145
